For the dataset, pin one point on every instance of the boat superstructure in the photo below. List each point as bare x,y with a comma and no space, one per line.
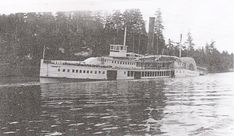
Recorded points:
120,64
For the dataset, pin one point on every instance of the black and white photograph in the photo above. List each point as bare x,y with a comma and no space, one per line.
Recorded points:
116,68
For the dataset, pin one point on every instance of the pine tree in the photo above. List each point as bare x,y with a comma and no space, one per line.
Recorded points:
189,42
159,38
189,45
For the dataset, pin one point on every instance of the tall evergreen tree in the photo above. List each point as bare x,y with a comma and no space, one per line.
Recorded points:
189,44
189,41
159,41
134,22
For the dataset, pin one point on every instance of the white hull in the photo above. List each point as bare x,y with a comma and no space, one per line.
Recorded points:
104,73
185,73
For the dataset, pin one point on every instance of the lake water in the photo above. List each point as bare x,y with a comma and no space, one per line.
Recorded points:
198,106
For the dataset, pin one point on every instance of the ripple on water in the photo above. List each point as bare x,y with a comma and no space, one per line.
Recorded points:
75,125
54,134
9,132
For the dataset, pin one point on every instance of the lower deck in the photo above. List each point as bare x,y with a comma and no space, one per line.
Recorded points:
104,73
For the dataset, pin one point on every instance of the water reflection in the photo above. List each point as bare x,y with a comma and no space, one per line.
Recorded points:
19,108
166,107
105,108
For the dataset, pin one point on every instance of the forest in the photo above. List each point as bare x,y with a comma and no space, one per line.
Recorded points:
77,35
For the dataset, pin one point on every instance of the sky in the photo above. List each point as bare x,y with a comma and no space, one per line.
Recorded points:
206,20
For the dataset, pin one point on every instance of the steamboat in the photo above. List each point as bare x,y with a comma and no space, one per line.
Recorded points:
120,64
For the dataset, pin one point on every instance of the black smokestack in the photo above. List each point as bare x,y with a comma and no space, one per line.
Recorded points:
150,46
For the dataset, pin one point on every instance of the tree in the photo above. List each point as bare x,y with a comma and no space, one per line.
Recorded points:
136,34
189,42
134,22
114,28
189,45
159,38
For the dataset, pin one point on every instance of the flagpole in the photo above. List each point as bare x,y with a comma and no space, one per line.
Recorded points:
43,55
180,45
125,35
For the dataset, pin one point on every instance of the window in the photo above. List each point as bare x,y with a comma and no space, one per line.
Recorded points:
68,70
73,70
58,70
142,74
64,70
128,73
103,72
132,73
99,72
91,72
83,71
80,71
95,72
124,73
77,71
87,71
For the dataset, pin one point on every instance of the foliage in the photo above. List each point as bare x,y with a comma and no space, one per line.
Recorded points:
81,34
159,41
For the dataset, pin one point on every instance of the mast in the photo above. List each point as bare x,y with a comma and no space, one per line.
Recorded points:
43,55
125,35
157,43
180,45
